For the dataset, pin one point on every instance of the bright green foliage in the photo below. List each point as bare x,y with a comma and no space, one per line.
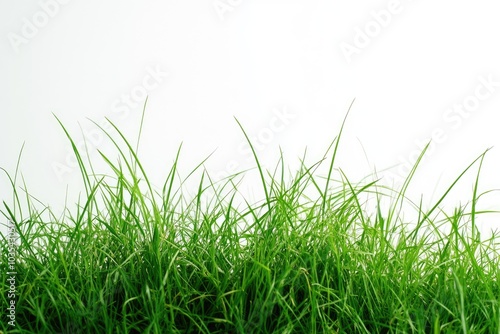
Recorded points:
130,259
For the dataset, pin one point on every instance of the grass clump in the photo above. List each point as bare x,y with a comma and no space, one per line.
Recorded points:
134,259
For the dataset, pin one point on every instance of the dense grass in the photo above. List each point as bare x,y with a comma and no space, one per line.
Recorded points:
130,259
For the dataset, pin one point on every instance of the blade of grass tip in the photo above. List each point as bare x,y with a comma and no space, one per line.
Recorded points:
471,248
303,177
87,154
11,219
355,194
450,188
171,177
310,171
228,180
134,155
88,202
189,174
330,170
272,177
282,159
475,196
268,200
13,182
30,198
83,170
170,182
141,126
16,199
132,169
401,193
167,195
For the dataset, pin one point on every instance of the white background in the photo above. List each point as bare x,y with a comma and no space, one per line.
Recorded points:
406,63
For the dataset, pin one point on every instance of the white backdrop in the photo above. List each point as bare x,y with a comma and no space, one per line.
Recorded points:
287,70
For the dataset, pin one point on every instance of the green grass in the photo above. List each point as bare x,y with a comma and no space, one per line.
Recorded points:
129,258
